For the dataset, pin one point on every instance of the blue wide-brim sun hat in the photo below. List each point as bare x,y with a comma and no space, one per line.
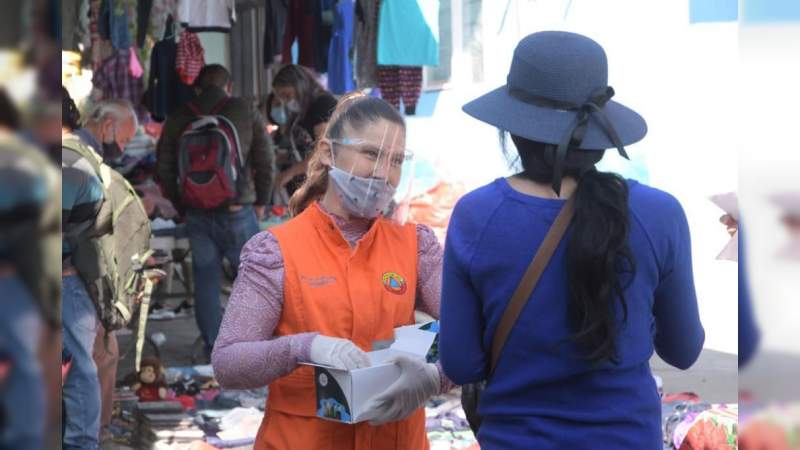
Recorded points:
553,76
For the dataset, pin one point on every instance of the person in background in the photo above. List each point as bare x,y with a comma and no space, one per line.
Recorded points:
29,227
108,129
44,125
301,110
218,233
575,370
310,291
106,347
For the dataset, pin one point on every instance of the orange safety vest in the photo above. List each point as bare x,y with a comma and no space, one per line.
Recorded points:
360,293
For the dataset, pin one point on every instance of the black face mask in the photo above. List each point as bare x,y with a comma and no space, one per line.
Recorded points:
111,150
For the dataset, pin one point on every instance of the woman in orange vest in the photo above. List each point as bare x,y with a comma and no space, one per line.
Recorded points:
327,284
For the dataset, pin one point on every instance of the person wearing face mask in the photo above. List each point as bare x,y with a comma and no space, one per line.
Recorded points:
108,129
311,290
301,110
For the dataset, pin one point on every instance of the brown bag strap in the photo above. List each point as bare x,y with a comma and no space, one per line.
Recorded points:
530,279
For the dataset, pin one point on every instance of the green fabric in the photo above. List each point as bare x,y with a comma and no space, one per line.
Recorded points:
109,255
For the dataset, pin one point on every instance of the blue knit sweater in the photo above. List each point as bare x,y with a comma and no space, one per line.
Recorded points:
544,395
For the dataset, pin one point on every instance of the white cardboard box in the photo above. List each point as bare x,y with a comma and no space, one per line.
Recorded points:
343,395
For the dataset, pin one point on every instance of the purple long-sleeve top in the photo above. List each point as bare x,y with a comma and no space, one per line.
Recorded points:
248,355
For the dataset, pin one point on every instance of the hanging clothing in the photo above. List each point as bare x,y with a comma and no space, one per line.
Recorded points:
190,57
115,80
94,34
70,11
100,48
355,306
165,92
323,31
300,27
401,83
408,33
131,8
340,68
207,15
83,33
135,65
160,14
113,23
366,39
142,19
277,12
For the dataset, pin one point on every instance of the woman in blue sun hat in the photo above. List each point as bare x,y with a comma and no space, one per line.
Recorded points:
572,370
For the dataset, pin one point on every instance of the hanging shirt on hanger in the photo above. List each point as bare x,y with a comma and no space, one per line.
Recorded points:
165,92
207,15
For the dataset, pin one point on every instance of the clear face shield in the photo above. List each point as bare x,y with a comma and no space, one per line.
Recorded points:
373,174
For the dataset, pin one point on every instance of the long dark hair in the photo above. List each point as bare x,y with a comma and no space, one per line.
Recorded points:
599,260
303,82
70,116
355,111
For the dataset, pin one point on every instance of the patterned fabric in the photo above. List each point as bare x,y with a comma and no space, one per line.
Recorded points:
398,83
190,58
715,427
115,79
246,354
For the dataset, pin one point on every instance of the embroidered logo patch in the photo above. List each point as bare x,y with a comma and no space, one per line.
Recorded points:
394,283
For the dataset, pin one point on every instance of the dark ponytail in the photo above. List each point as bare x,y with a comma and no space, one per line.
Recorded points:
599,259
70,116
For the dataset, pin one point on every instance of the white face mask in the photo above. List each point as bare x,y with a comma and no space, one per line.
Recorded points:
362,197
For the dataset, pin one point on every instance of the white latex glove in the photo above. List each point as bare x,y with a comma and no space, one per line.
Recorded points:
337,353
417,383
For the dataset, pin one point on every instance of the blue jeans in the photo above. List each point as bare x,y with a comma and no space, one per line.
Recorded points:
22,394
214,235
81,391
